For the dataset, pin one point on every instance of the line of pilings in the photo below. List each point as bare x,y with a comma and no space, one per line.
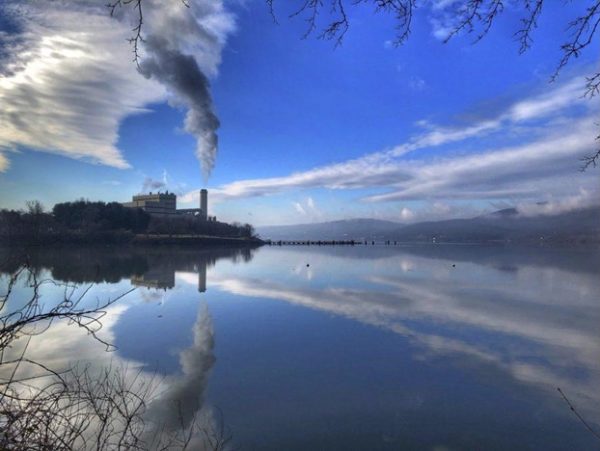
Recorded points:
328,243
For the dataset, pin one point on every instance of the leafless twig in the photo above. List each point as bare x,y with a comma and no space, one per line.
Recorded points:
578,415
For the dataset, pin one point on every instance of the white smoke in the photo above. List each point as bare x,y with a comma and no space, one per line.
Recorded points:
181,49
68,79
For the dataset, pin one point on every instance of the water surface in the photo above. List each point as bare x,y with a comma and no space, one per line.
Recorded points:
365,347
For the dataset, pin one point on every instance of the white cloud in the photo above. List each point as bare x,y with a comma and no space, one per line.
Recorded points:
437,5
4,163
417,84
308,209
549,102
545,163
551,206
68,76
299,208
71,85
528,170
406,214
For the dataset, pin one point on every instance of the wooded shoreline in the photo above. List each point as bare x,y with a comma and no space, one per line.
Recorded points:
127,238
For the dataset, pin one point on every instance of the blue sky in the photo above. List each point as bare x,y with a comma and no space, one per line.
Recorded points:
308,132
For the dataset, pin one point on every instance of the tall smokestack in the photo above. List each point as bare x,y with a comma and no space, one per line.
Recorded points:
204,203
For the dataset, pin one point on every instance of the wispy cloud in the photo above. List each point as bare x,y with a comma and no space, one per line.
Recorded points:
417,83
527,170
70,85
539,165
4,163
153,184
299,208
307,208
68,79
551,206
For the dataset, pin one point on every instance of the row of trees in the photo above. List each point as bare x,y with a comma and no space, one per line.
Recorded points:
100,221
85,215
190,225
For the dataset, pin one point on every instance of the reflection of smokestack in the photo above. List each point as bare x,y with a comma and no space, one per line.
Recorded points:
202,277
204,203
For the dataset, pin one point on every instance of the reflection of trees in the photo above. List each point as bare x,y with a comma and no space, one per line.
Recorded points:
94,406
95,264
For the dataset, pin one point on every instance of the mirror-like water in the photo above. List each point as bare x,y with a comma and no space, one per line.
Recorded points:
366,347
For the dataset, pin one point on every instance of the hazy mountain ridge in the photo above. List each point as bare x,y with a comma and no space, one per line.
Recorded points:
506,225
335,230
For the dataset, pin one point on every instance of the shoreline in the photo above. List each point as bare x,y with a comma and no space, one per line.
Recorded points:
144,239
129,239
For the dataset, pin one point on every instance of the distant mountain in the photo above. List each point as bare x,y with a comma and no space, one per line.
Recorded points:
506,225
357,229
505,213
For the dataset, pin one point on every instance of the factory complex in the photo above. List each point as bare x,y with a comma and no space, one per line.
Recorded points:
165,204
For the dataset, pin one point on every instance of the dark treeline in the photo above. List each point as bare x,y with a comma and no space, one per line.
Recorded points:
85,221
190,225
100,216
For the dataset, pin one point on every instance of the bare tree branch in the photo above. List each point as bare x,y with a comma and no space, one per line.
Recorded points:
529,24
467,16
578,415
82,407
592,160
583,29
137,38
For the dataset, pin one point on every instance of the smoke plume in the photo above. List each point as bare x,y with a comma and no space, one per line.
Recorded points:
151,184
67,79
182,76
181,49
177,406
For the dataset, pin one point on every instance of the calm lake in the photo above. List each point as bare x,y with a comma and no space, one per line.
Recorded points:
431,347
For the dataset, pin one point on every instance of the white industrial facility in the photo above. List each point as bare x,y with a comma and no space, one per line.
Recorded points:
165,204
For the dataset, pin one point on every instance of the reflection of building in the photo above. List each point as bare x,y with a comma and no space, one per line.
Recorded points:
163,277
153,266
165,204
155,278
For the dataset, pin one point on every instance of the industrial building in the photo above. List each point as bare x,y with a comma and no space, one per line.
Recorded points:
165,204
163,277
